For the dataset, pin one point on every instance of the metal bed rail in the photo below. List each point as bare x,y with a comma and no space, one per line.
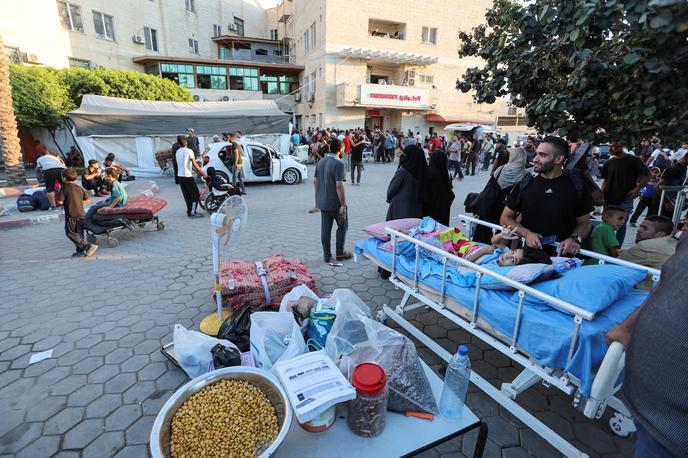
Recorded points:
680,200
603,258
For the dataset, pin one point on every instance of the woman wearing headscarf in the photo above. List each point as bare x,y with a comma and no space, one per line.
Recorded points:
507,176
405,191
439,194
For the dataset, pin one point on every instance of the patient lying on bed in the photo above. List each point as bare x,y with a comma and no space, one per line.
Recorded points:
497,254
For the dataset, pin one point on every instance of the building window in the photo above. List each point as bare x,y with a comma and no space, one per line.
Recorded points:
425,79
261,52
104,25
217,30
211,77
313,78
269,84
75,62
243,79
288,84
306,42
273,34
190,5
180,74
152,69
429,35
193,46
151,37
13,54
306,82
239,24
313,36
70,16
511,111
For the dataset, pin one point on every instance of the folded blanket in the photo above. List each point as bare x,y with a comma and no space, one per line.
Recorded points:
281,276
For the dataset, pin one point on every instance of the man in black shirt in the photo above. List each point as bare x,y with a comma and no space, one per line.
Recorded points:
192,140
673,176
357,146
552,204
501,155
624,175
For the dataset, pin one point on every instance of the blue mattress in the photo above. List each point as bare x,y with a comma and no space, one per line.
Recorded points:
545,333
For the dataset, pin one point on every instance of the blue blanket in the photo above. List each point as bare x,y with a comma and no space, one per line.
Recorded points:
545,333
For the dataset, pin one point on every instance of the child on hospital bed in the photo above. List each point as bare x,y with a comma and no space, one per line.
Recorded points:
491,256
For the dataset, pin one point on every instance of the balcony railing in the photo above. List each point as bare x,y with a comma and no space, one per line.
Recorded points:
247,55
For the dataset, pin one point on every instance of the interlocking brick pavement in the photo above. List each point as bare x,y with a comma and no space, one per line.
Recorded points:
106,317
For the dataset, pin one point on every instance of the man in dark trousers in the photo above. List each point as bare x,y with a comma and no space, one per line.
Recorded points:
186,164
656,343
328,182
624,176
554,205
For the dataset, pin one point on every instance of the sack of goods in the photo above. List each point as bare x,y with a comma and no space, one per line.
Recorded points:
262,283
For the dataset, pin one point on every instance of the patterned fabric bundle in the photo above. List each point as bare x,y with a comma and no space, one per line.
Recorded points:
282,276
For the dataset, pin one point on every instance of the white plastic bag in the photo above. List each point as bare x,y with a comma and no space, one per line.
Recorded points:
193,350
294,295
275,336
355,338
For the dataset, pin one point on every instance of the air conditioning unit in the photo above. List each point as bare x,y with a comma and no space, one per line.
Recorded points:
297,97
31,58
232,27
138,39
225,98
310,97
196,98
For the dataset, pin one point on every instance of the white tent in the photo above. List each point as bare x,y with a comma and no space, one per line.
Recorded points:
135,129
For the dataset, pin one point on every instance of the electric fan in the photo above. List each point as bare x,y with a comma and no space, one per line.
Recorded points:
225,227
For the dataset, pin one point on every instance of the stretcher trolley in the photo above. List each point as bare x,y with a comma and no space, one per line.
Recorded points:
556,342
134,216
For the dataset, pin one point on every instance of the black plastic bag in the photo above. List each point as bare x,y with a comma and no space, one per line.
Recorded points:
236,328
225,356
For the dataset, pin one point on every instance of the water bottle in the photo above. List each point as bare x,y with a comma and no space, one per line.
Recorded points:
456,384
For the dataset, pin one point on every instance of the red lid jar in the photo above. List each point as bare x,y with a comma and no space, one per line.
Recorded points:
369,378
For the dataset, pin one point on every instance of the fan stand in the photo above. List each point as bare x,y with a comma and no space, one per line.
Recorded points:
210,325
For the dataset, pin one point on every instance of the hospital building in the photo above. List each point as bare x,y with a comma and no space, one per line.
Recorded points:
342,63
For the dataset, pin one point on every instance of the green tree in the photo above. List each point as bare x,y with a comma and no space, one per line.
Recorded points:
39,96
581,66
80,81
10,150
136,85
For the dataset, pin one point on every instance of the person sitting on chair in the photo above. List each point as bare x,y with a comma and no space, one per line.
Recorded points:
92,178
124,174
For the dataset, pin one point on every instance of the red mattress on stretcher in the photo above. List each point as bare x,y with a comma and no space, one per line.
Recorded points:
137,207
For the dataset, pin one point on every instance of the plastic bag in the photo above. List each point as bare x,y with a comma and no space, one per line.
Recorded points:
355,338
299,302
236,327
193,350
225,357
275,336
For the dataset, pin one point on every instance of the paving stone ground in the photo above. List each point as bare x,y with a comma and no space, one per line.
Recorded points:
106,318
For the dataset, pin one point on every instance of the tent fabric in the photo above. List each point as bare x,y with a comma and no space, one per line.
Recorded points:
111,116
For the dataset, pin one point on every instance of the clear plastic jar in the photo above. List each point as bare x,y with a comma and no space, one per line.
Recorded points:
366,416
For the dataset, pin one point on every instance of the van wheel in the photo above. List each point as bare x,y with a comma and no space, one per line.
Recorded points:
291,176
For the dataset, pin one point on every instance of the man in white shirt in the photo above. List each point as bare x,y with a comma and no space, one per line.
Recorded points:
487,146
680,153
51,166
186,164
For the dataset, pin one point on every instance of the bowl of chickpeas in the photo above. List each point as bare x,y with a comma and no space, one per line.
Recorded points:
234,411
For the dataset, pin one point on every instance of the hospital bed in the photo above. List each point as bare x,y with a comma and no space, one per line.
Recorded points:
572,356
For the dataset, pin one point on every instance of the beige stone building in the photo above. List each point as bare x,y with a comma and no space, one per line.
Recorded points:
343,63
389,63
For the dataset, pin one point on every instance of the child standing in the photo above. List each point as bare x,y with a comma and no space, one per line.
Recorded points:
604,235
647,195
72,197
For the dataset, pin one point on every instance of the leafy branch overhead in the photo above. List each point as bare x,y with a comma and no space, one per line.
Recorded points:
585,66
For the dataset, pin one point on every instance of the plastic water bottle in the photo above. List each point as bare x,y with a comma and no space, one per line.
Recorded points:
456,384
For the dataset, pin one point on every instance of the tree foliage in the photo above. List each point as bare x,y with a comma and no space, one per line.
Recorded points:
43,95
581,66
39,96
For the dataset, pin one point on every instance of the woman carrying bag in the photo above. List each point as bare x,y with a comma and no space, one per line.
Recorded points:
490,203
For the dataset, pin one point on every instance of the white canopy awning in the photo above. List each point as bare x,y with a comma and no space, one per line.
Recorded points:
388,56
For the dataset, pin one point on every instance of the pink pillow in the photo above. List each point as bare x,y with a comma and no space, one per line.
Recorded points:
378,230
